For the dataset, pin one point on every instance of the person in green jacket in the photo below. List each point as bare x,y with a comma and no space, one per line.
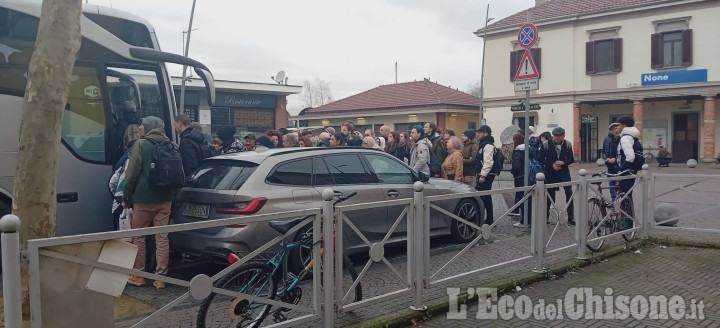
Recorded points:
150,204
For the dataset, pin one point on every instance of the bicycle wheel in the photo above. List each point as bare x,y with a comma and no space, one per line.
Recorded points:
254,278
626,222
649,158
596,212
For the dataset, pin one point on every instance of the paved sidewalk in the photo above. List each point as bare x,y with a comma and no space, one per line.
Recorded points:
692,273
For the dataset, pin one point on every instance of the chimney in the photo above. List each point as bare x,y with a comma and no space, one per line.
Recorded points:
540,2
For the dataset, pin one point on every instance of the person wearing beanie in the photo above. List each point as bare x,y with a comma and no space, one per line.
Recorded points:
150,204
555,157
518,172
469,151
225,141
486,151
420,152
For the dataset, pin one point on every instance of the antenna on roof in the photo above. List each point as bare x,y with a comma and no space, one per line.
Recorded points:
279,77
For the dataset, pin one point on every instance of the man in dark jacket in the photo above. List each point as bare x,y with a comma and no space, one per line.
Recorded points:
469,151
610,146
150,204
191,143
555,156
439,147
486,151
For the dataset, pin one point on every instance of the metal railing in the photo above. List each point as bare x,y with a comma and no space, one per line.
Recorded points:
417,278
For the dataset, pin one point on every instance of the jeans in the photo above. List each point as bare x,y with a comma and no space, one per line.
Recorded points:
159,215
487,200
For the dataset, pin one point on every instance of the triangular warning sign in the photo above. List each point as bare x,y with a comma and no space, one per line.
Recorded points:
527,69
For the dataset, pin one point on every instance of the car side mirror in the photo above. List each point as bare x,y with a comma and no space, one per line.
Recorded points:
422,177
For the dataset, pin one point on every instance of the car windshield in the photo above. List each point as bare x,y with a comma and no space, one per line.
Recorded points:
222,175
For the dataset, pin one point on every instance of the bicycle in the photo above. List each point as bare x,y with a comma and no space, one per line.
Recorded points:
649,156
603,223
261,279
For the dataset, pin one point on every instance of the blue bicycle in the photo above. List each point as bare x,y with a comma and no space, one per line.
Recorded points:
266,280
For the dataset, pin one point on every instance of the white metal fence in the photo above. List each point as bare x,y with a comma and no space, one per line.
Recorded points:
415,276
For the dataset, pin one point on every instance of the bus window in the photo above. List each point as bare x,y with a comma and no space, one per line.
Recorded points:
134,94
83,122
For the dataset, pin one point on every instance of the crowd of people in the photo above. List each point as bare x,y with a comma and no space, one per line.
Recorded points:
472,158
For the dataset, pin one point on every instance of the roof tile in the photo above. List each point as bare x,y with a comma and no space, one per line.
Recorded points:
409,94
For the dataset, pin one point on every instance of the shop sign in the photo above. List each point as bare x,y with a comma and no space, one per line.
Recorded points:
245,100
675,77
588,119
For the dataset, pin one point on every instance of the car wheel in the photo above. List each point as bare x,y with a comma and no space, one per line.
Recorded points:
300,256
461,232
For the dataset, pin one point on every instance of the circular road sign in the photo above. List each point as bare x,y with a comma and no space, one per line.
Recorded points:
527,35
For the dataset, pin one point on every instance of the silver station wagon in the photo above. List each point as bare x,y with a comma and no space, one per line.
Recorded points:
287,179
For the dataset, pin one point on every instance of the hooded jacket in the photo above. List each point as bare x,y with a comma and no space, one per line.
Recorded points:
137,175
625,150
518,165
191,141
420,155
469,151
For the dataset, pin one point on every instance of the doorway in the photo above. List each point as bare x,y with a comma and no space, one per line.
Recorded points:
686,134
589,151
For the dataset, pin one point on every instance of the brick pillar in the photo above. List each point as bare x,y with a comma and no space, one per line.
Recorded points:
709,130
281,116
442,121
638,116
576,131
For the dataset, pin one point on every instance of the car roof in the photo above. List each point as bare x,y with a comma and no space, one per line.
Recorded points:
259,157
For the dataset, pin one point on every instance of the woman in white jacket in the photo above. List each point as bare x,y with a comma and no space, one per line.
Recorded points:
420,153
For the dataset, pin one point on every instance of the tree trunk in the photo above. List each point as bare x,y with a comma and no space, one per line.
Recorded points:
46,94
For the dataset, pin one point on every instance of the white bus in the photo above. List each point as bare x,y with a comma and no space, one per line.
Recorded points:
119,66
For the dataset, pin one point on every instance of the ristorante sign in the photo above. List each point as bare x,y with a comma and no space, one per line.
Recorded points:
246,100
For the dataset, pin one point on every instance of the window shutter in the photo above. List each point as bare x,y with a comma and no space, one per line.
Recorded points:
513,64
537,58
590,57
656,51
618,56
687,48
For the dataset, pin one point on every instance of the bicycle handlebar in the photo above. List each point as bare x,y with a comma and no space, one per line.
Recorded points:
610,175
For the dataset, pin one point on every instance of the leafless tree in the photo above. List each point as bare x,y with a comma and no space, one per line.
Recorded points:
316,93
46,93
473,89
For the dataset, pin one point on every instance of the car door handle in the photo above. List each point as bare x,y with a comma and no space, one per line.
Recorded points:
67,197
393,193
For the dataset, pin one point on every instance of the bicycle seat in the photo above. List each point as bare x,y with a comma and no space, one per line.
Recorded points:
284,226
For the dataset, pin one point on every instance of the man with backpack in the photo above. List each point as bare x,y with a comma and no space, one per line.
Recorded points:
153,174
555,156
487,162
610,147
191,144
438,151
629,151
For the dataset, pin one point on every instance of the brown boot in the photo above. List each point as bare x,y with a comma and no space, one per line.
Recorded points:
159,284
136,281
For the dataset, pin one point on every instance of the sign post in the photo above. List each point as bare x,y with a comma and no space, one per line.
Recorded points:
527,79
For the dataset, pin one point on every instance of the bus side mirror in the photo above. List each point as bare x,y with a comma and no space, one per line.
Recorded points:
207,77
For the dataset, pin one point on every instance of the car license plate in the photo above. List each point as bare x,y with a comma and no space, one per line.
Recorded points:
198,211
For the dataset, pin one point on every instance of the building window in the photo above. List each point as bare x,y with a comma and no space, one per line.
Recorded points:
603,56
471,126
672,49
517,55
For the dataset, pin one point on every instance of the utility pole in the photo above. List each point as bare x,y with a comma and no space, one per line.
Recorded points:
482,74
181,108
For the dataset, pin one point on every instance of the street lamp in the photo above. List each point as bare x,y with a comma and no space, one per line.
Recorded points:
181,109
482,74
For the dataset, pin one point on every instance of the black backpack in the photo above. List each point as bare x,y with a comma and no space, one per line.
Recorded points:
639,156
498,160
434,164
166,170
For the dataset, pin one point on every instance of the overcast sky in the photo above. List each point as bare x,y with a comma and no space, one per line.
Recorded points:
352,45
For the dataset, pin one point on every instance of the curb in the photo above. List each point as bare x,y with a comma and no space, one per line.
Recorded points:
435,307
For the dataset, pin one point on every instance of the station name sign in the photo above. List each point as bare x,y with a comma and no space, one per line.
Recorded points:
675,77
